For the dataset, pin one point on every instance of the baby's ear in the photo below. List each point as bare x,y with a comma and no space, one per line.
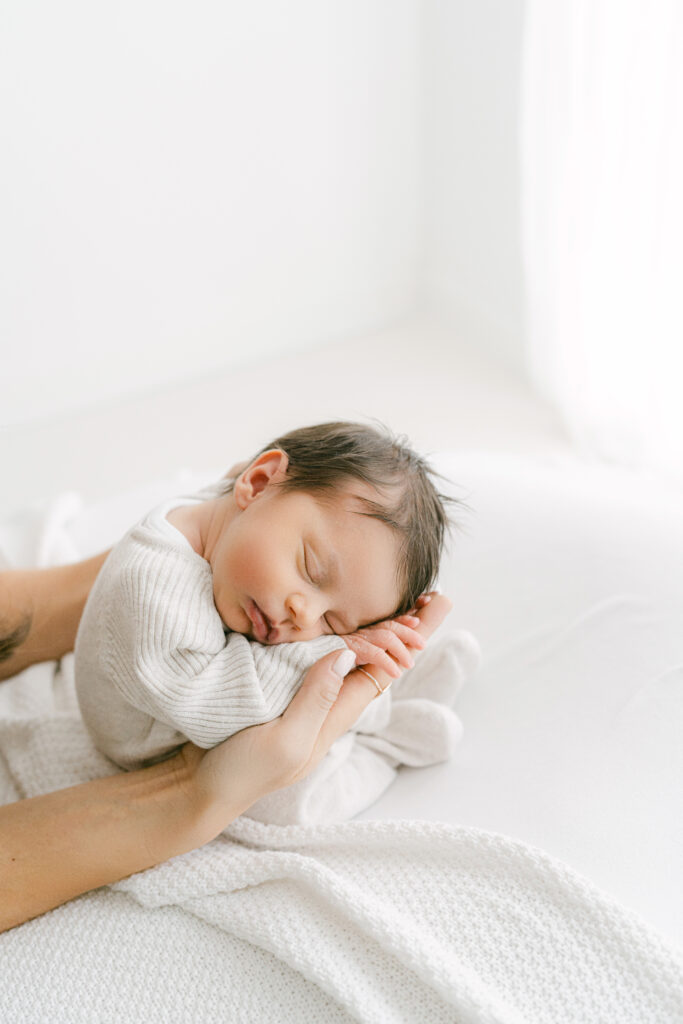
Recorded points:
267,469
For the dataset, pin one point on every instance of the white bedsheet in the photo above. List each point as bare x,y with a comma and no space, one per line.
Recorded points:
571,579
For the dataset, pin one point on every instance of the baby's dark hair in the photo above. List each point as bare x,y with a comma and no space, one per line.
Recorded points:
323,456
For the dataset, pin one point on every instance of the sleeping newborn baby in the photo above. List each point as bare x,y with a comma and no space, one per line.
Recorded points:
207,614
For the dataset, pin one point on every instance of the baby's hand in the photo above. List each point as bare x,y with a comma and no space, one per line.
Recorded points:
387,644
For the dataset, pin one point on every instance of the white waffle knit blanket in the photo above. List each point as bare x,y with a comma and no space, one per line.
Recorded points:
398,921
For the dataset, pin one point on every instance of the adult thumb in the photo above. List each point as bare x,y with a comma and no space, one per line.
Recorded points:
310,707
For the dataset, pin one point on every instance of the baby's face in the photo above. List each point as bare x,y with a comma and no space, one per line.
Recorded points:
291,566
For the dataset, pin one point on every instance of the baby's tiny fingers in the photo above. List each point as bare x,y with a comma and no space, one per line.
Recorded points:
403,629
376,655
409,636
399,652
369,653
380,659
388,640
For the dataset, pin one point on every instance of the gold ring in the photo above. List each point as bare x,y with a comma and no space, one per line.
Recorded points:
380,689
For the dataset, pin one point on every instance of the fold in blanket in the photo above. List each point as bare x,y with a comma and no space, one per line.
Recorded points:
414,921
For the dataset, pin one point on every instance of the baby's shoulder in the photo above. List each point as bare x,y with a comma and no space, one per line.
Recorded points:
151,553
186,519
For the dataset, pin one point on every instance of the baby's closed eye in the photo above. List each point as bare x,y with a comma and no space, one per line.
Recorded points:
312,566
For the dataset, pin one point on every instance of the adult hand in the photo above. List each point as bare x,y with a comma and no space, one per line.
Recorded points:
230,777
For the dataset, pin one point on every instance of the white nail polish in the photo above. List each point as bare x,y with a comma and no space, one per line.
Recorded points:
344,663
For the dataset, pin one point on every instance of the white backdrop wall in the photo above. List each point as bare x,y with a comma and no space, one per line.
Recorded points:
185,186
472,255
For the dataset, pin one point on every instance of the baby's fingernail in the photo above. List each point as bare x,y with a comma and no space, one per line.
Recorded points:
344,663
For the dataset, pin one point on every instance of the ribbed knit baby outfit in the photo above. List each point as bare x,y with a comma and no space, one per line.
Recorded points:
154,663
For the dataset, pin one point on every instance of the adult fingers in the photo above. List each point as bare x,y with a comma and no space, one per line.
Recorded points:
423,600
356,693
303,718
331,703
262,758
433,613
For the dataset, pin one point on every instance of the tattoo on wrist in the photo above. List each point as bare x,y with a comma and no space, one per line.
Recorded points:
9,641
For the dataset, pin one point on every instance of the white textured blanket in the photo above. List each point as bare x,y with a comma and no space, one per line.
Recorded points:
365,921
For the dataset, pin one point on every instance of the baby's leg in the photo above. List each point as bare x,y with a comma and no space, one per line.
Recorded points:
40,610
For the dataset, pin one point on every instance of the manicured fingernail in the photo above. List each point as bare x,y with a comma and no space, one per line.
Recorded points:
344,663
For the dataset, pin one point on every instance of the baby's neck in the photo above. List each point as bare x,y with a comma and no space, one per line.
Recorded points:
200,524
188,520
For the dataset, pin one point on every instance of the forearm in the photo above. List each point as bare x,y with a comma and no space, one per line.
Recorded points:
40,610
57,846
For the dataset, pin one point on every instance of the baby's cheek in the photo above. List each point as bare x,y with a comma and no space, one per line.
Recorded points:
250,570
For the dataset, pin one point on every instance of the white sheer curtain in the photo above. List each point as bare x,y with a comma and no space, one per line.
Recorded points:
602,172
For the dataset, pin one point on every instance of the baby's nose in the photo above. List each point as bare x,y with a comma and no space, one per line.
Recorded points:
303,612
